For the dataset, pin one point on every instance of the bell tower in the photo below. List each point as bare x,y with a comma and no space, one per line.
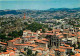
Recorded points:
24,16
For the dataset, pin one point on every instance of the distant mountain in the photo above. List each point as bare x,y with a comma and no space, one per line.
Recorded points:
3,12
27,11
63,9
76,8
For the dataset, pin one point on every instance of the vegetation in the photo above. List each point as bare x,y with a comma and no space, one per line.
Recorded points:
77,25
35,26
2,50
74,45
25,49
71,53
10,36
36,53
15,33
20,55
49,29
25,23
29,52
5,38
79,45
74,22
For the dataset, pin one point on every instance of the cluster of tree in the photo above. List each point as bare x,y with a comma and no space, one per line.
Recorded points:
77,25
16,33
10,36
49,29
59,17
5,38
71,22
79,45
74,45
12,22
35,26
29,52
2,50
70,53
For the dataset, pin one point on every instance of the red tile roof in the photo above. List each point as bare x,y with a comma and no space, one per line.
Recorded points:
22,44
77,54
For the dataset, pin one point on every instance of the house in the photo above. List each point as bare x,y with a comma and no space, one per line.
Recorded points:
72,40
12,42
77,54
8,53
41,43
59,52
3,45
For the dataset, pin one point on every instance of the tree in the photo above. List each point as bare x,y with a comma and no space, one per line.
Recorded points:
43,30
34,26
71,53
36,53
74,45
2,37
25,23
15,34
10,34
20,33
79,45
33,55
29,52
4,50
49,29
9,38
20,55
25,49
5,38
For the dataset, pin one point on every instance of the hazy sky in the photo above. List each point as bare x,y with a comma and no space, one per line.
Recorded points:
38,4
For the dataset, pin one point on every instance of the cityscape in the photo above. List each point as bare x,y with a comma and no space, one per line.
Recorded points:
45,28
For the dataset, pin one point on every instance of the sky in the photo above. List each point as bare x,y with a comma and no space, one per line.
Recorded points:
38,4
